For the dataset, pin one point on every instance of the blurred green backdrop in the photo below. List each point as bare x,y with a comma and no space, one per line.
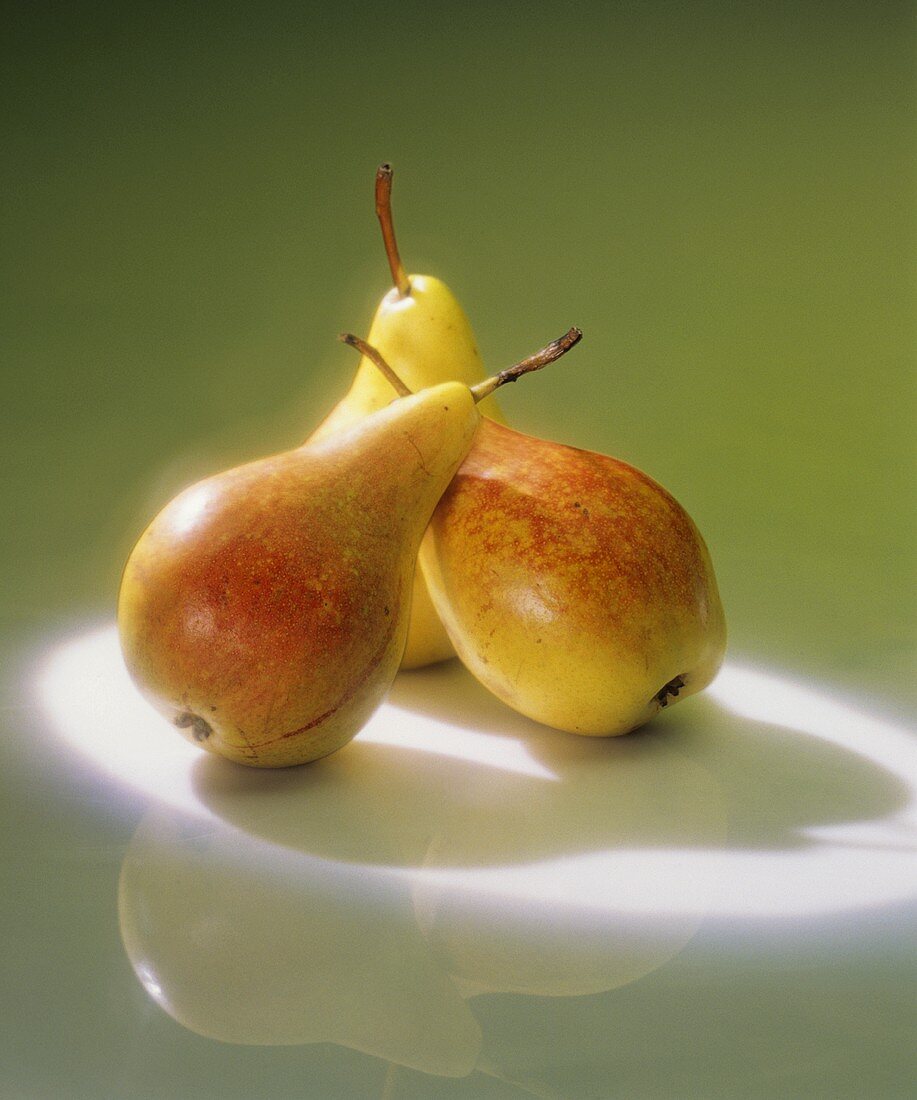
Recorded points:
720,194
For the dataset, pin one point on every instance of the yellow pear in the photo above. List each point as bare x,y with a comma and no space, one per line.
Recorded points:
422,331
572,585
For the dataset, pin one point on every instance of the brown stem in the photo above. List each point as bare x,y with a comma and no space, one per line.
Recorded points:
384,213
374,356
540,359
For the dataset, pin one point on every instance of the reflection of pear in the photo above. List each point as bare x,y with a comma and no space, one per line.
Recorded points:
490,940
241,948
497,945
421,329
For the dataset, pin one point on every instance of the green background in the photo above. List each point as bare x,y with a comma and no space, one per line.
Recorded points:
720,194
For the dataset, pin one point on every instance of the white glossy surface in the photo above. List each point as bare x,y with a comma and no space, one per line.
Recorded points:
456,854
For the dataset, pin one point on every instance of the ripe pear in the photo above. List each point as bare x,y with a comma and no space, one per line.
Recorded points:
265,609
572,585
422,331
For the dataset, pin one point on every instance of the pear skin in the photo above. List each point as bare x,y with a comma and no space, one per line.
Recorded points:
265,609
427,338
572,585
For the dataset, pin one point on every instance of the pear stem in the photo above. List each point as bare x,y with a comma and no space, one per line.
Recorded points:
540,359
376,357
400,278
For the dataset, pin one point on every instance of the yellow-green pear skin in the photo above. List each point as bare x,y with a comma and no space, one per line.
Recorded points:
426,337
572,585
265,609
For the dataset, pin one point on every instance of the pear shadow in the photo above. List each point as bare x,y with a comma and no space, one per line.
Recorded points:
698,777
776,780
449,693
779,781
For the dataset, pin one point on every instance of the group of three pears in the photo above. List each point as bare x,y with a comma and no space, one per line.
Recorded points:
266,610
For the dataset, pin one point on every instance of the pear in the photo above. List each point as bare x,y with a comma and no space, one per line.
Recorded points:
265,609
422,331
572,585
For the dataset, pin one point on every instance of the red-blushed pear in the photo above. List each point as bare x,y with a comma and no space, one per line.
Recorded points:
572,585
265,609
423,332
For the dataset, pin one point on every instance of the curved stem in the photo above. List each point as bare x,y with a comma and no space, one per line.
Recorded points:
540,359
400,278
374,356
